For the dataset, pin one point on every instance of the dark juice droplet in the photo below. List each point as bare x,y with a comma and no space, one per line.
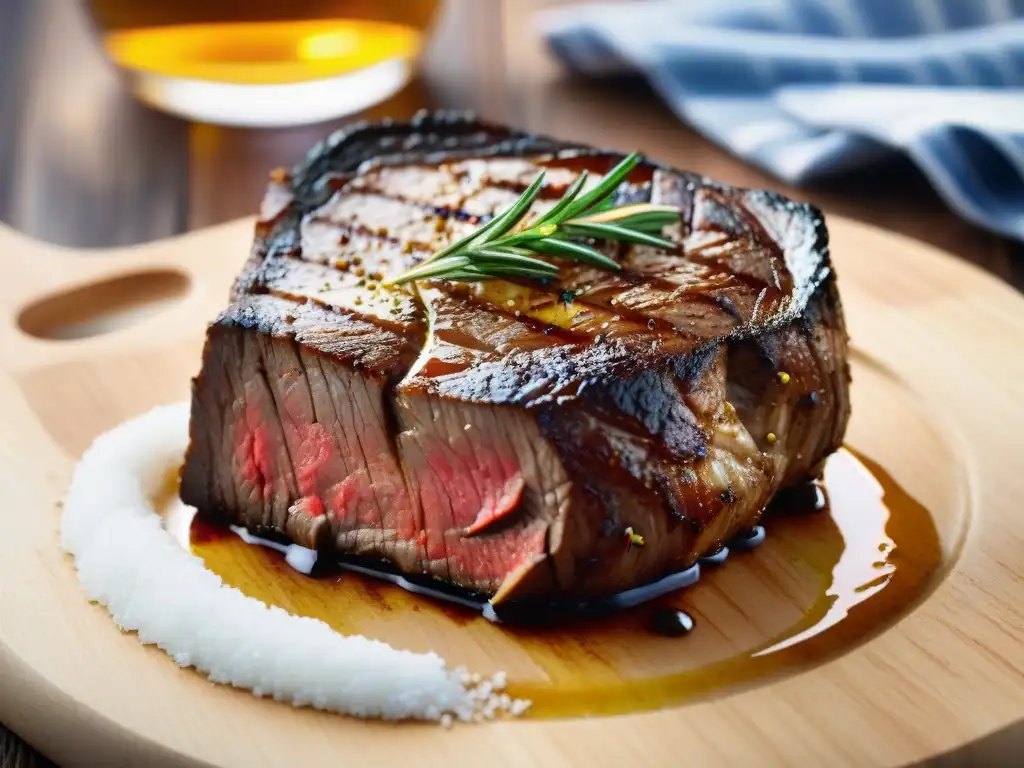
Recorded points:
749,539
805,498
205,532
671,622
717,558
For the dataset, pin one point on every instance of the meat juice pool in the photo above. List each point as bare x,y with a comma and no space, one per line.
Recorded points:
839,562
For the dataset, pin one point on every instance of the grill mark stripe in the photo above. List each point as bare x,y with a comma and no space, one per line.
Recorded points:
411,332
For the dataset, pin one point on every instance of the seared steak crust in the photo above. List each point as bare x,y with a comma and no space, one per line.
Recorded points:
505,437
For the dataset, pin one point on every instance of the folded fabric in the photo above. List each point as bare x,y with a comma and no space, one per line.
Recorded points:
810,88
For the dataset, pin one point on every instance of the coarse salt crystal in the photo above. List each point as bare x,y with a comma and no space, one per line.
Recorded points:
519,706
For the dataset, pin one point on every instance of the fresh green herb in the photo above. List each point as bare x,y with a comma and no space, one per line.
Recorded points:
498,249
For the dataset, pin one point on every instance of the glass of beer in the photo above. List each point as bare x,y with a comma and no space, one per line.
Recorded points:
264,62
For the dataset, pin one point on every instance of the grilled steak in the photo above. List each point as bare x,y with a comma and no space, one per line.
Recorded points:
507,437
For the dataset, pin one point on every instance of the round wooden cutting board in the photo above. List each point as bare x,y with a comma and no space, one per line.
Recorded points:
94,338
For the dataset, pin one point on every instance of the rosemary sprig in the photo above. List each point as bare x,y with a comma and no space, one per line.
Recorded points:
498,249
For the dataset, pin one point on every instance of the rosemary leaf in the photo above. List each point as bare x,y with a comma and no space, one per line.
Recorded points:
502,223
618,233
525,237
504,247
608,184
629,213
434,268
532,274
470,276
498,257
654,225
570,194
576,251
604,205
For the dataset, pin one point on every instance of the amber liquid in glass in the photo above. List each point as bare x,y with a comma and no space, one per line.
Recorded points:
264,62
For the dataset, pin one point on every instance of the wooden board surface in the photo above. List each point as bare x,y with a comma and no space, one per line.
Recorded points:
940,337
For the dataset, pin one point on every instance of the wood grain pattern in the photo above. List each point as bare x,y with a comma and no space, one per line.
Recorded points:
946,675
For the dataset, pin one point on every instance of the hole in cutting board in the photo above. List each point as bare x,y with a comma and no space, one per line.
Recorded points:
104,306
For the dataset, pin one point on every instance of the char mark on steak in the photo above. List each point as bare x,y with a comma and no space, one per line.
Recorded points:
503,436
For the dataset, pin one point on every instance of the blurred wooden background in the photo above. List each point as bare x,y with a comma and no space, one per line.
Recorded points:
83,164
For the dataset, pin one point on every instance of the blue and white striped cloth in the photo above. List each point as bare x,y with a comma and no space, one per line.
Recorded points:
811,88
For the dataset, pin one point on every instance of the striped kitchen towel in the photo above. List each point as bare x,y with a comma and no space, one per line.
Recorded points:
809,88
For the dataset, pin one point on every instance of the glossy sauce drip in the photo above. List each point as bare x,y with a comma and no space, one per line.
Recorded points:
839,563
671,622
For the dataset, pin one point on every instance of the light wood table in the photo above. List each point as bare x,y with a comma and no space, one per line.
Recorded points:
83,164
